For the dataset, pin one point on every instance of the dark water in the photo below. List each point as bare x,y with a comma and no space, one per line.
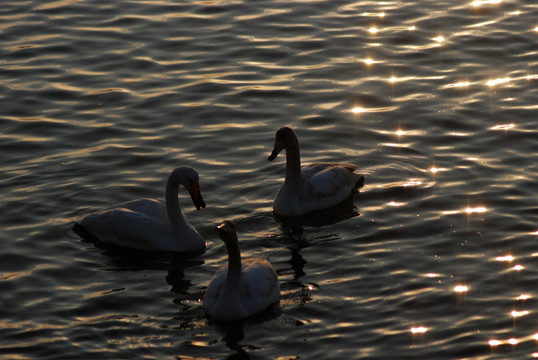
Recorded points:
436,101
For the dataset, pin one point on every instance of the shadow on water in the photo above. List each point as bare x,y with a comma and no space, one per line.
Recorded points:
124,258
342,211
234,331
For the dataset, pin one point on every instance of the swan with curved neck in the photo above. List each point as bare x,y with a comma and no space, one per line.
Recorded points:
313,187
241,288
148,224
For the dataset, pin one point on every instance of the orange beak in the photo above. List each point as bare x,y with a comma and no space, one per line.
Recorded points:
196,196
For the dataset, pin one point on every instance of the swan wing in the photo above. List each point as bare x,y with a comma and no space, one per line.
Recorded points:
150,207
214,290
326,184
143,225
260,286
128,228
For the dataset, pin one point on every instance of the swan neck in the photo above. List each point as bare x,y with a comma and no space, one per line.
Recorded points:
172,204
293,165
233,280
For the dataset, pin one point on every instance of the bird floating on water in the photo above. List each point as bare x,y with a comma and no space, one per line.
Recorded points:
148,224
313,187
241,288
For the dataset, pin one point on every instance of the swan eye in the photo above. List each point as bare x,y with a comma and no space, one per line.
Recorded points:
226,226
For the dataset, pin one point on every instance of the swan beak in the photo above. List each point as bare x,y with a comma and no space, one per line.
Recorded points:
279,146
196,196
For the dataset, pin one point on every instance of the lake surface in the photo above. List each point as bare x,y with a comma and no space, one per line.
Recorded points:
435,101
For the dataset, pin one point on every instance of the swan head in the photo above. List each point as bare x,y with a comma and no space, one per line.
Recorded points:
227,231
285,137
189,178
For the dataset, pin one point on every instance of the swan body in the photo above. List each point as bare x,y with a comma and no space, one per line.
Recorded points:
241,288
148,224
313,187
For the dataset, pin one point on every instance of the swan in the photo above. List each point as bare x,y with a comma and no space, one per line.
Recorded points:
314,187
148,224
240,288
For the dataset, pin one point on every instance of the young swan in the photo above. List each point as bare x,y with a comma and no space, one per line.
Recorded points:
148,224
241,288
314,187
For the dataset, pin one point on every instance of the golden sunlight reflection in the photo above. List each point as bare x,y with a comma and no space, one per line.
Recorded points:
419,330
479,209
484,2
360,109
373,30
467,210
513,341
502,127
439,39
370,61
462,84
461,288
435,170
523,297
494,82
506,258
381,14
515,313
494,342
412,183
412,28
457,85
518,267
433,275
394,203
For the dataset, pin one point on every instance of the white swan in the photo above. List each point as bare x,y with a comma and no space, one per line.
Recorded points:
314,187
240,288
148,224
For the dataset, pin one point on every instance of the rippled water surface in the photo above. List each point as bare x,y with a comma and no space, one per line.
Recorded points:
435,101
